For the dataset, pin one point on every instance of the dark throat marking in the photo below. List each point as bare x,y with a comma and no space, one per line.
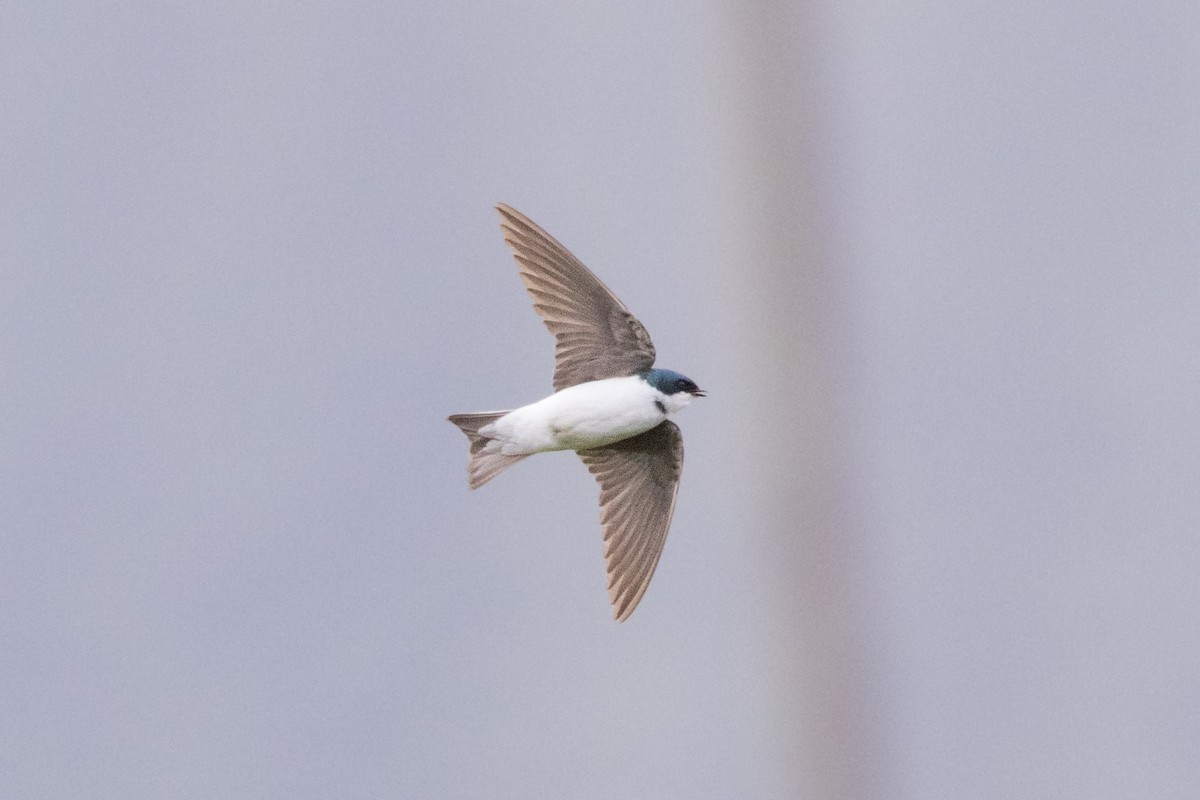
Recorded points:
661,408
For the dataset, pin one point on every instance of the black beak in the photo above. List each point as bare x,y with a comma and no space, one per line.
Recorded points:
698,392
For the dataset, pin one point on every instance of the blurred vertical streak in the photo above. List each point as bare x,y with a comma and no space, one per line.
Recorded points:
797,403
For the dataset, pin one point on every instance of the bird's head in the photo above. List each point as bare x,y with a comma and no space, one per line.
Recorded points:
679,389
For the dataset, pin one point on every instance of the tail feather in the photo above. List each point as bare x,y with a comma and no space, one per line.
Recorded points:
486,462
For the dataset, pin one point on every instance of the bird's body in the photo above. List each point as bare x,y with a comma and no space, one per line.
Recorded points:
583,417
610,406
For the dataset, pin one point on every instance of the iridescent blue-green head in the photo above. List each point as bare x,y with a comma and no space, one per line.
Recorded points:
671,383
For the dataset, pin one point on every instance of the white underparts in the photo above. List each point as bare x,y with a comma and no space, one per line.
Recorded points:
584,416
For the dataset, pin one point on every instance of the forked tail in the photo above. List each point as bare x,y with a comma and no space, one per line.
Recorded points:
486,461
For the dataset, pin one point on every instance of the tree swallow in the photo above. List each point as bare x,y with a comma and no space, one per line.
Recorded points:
609,405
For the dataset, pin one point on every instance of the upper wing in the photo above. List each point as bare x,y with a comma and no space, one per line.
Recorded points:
638,480
596,335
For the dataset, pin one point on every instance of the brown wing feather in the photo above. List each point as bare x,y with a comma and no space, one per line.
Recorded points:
638,478
596,335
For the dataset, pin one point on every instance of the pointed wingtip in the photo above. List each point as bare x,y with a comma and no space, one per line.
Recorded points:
510,218
623,607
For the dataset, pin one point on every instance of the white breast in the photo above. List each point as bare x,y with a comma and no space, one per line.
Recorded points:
581,417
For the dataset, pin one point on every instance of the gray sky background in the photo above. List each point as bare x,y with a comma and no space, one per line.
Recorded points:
939,528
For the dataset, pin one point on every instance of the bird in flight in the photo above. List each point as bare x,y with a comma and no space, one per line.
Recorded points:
609,405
